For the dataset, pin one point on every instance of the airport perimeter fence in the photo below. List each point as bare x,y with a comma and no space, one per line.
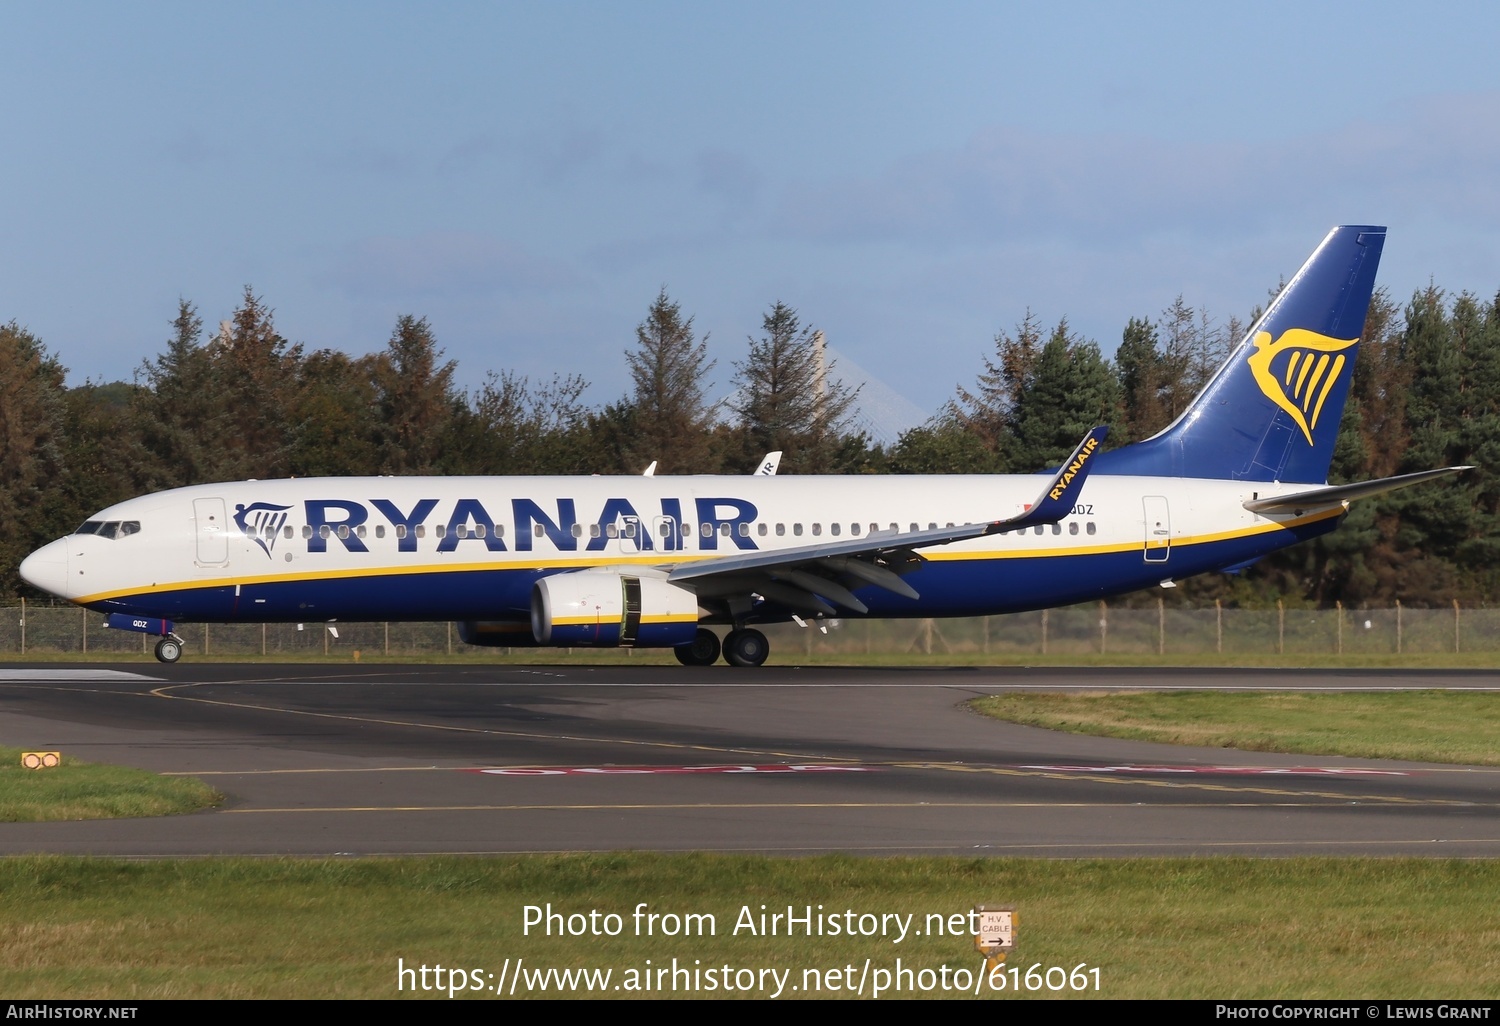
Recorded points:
1089,629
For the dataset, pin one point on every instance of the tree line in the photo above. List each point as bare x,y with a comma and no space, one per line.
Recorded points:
244,402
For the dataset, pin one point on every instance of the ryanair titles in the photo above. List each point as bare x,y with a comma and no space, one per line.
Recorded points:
528,524
1085,453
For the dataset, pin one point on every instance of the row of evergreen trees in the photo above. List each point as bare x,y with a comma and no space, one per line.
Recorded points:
244,402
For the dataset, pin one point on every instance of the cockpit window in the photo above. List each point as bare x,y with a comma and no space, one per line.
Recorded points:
110,528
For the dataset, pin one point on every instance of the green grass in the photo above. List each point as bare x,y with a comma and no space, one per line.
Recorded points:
1421,726
1223,928
82,790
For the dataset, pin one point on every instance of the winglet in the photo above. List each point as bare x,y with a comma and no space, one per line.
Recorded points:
769,464
1060,495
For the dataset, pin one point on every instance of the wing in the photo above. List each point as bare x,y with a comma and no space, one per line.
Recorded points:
820,577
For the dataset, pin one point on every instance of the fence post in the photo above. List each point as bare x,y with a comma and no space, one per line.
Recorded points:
23,626
1218,627
1280,627
262,640
387,626
1339,611
1398,626
1103,627
986,635
85,613
450,639
1044,631
1161,626
1455,626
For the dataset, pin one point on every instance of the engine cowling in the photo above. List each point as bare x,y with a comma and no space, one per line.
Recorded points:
603,608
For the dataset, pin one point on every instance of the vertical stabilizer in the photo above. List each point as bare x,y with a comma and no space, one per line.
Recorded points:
1272,411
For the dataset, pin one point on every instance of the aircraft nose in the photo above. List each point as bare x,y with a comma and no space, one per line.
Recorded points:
47,568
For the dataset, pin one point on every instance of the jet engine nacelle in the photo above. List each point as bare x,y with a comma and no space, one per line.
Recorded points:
601,607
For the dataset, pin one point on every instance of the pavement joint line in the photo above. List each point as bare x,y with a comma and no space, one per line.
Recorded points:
162,692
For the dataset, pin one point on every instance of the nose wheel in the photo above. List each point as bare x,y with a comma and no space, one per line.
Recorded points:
168,650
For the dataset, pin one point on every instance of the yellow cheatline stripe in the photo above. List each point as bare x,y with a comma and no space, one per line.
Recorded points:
590,618
1265,527
1197,539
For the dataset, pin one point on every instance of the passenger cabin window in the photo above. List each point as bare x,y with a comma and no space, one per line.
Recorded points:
762,530
287,531
379,530
835,529
780,530
439,530
400,530
797,530
1090,527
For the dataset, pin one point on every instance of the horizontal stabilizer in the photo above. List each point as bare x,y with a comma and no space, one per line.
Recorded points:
1334,494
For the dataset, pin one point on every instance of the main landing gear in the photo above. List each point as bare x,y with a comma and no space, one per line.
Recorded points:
744,646
703,650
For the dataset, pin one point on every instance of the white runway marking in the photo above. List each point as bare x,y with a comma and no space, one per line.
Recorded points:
8,674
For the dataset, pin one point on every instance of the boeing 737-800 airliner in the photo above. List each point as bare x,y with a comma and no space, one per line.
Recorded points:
656,561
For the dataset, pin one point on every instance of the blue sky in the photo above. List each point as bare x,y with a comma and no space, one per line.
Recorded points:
528,176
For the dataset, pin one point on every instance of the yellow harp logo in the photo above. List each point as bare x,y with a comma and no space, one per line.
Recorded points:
1297,371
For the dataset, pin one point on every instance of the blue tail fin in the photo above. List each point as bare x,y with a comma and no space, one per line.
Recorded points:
1272,412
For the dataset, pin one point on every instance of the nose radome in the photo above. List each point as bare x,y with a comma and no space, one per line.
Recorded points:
47,568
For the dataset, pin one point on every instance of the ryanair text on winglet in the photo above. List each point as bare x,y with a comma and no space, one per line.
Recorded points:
1074,468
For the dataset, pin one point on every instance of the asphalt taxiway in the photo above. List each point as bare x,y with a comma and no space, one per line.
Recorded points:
321,760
